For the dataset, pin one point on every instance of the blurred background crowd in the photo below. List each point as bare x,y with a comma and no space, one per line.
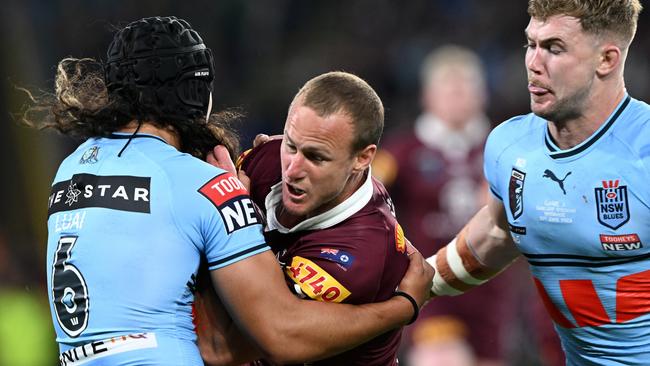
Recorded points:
439,106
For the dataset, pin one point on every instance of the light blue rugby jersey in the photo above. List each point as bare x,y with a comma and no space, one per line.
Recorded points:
126,235
581,218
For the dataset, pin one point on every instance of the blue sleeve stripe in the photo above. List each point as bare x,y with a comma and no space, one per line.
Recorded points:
495,194
238,254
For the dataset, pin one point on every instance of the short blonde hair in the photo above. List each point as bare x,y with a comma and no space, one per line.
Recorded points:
339,91
618,17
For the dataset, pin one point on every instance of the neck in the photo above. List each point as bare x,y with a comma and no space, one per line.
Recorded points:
167,134
571,132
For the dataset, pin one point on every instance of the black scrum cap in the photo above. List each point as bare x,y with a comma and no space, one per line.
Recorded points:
162,64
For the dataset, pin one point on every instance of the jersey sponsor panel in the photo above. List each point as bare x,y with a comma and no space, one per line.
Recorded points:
231,199
315,282
95,350
118,192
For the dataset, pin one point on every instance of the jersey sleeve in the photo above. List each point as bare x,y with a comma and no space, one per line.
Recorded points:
494,147
231,228
212,210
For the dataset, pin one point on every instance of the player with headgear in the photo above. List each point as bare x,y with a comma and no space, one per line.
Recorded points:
134,209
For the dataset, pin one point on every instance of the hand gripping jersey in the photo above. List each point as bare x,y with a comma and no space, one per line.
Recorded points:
125,238
581,218
354,253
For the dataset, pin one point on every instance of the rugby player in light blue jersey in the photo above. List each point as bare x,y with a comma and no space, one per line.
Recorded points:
569,187
134,210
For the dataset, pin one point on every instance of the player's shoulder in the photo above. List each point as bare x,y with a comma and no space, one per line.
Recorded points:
263,167
517,127
634,125
376,222
519,131
268,152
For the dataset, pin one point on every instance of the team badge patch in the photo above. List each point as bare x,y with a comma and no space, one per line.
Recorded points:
611,204
231,199
90,156
315,282
337,256
516,193
400,241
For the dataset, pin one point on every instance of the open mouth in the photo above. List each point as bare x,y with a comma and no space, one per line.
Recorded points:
295,191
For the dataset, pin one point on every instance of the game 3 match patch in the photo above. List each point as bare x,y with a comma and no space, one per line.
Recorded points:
231,199
315,282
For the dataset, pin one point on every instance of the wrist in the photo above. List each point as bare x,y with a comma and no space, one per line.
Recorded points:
413,303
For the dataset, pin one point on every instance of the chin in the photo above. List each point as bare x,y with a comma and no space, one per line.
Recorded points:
293,208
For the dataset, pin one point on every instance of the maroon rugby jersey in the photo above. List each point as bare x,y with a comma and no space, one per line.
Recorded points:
356,258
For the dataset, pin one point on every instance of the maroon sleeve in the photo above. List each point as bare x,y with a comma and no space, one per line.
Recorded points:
262,165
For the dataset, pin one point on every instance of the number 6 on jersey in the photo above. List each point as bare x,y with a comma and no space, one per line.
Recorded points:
69,290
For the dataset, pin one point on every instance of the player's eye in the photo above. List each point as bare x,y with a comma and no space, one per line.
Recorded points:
290,147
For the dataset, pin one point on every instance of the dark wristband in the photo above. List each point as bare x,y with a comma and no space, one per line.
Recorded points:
416,308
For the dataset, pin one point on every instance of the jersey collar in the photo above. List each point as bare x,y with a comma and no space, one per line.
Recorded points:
556,153
336,215
127,135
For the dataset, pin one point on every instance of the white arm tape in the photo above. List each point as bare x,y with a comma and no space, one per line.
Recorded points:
456,265
438,286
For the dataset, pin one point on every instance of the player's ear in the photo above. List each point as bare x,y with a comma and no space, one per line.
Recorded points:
363,158
610,58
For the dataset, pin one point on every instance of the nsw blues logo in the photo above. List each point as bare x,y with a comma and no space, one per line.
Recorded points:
611,204
516,193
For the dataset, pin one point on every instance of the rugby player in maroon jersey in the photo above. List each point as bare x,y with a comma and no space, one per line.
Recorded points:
331,224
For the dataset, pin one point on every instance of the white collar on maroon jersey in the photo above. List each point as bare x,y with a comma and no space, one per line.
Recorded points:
454,144
335,215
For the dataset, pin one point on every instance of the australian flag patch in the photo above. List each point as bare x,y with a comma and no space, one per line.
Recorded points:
340,257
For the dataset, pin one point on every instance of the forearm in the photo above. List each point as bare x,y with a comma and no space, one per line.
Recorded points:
478,253
219,339
337,327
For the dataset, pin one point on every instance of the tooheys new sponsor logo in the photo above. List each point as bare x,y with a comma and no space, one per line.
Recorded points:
620,242
117,192
231,199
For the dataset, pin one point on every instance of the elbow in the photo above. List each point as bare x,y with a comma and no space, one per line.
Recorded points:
274,344
281,343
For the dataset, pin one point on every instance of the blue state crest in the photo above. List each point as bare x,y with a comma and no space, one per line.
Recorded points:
612,206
